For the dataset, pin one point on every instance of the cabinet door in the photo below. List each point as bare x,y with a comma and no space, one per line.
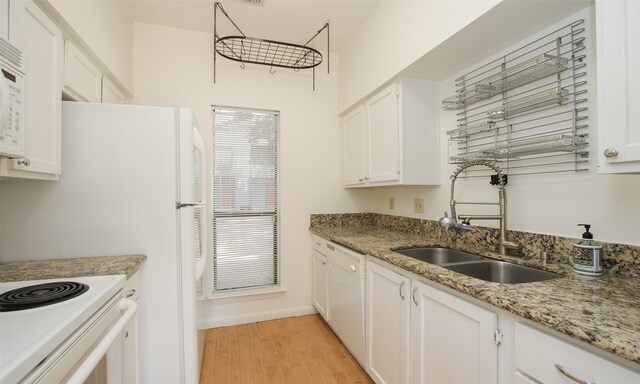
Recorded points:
452,340
618,42
4,19
387,325
41,41
111,94
82,79
383,138
320,284
354,128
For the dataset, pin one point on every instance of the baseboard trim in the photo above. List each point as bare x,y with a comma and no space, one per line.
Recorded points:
254,317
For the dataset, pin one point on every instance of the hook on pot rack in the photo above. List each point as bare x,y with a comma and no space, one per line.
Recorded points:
271,53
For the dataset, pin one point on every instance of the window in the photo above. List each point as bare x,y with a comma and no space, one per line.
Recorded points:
245,198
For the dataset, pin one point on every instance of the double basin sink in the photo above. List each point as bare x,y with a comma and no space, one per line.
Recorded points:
478,266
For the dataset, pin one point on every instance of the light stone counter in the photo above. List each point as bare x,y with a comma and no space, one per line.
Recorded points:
601,311
61,268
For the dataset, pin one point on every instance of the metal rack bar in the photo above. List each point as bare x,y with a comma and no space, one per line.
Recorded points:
539,124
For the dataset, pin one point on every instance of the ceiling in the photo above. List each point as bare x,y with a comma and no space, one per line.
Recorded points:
291,21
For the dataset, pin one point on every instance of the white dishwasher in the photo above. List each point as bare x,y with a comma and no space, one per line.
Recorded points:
346,298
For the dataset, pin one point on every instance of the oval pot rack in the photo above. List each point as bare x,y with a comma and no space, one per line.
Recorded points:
271,53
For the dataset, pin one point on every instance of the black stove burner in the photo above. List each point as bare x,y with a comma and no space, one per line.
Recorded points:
35,296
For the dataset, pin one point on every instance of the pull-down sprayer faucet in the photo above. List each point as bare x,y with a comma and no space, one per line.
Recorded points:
451,222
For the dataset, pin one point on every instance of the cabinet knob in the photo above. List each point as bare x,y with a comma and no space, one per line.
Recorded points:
366,178
353,267
361,179
26,162
610,152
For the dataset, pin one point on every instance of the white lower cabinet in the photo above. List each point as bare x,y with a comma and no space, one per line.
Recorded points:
420,333
452,340
542,358
320,284
321,249
387,324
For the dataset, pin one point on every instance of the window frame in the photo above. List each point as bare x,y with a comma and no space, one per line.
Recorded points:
265,290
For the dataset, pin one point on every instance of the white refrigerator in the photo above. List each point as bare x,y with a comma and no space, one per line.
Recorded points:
128,186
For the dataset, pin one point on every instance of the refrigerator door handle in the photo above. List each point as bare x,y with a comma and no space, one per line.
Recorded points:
183,205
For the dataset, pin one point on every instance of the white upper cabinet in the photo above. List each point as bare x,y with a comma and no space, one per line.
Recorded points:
82,79
392,139
4,19
33,32
111,93
354,125
618,45
383,136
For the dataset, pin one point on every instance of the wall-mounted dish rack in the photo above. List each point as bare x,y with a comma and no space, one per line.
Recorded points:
526,110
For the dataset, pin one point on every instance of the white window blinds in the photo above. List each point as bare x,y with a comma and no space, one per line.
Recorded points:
245,198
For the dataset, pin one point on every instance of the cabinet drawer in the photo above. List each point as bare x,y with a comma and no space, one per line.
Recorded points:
537,353
323,246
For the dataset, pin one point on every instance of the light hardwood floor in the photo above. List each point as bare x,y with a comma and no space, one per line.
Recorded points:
293,350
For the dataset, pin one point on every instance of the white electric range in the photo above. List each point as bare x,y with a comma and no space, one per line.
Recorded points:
47,344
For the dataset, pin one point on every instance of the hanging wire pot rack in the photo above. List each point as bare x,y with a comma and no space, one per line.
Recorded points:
245,49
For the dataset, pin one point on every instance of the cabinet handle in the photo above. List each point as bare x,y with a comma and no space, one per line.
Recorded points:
570,376
413,295
361,179
131,293
366,178
402,291
324,263
610,152
26,162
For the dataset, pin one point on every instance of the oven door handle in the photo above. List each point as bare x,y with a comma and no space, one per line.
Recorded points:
129,307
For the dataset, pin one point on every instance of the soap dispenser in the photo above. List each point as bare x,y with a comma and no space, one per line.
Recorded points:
587,258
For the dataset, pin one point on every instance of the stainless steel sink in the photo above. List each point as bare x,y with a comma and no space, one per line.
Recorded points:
439,256
478,266
502,272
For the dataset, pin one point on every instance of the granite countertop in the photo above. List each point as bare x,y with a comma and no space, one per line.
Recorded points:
602,311
61,268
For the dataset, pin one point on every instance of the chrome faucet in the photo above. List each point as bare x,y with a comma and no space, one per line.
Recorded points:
451,222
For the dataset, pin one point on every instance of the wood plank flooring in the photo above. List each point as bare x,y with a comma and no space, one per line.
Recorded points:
293,350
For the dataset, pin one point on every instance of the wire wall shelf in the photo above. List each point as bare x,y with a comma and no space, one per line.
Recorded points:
526,110
245,49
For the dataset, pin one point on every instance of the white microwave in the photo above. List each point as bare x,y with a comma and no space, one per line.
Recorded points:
11,100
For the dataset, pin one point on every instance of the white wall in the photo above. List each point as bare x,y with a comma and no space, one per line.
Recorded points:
396,34
174,67
106,27
549,204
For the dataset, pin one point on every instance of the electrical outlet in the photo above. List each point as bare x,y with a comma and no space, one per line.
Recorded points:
418,205
392,203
